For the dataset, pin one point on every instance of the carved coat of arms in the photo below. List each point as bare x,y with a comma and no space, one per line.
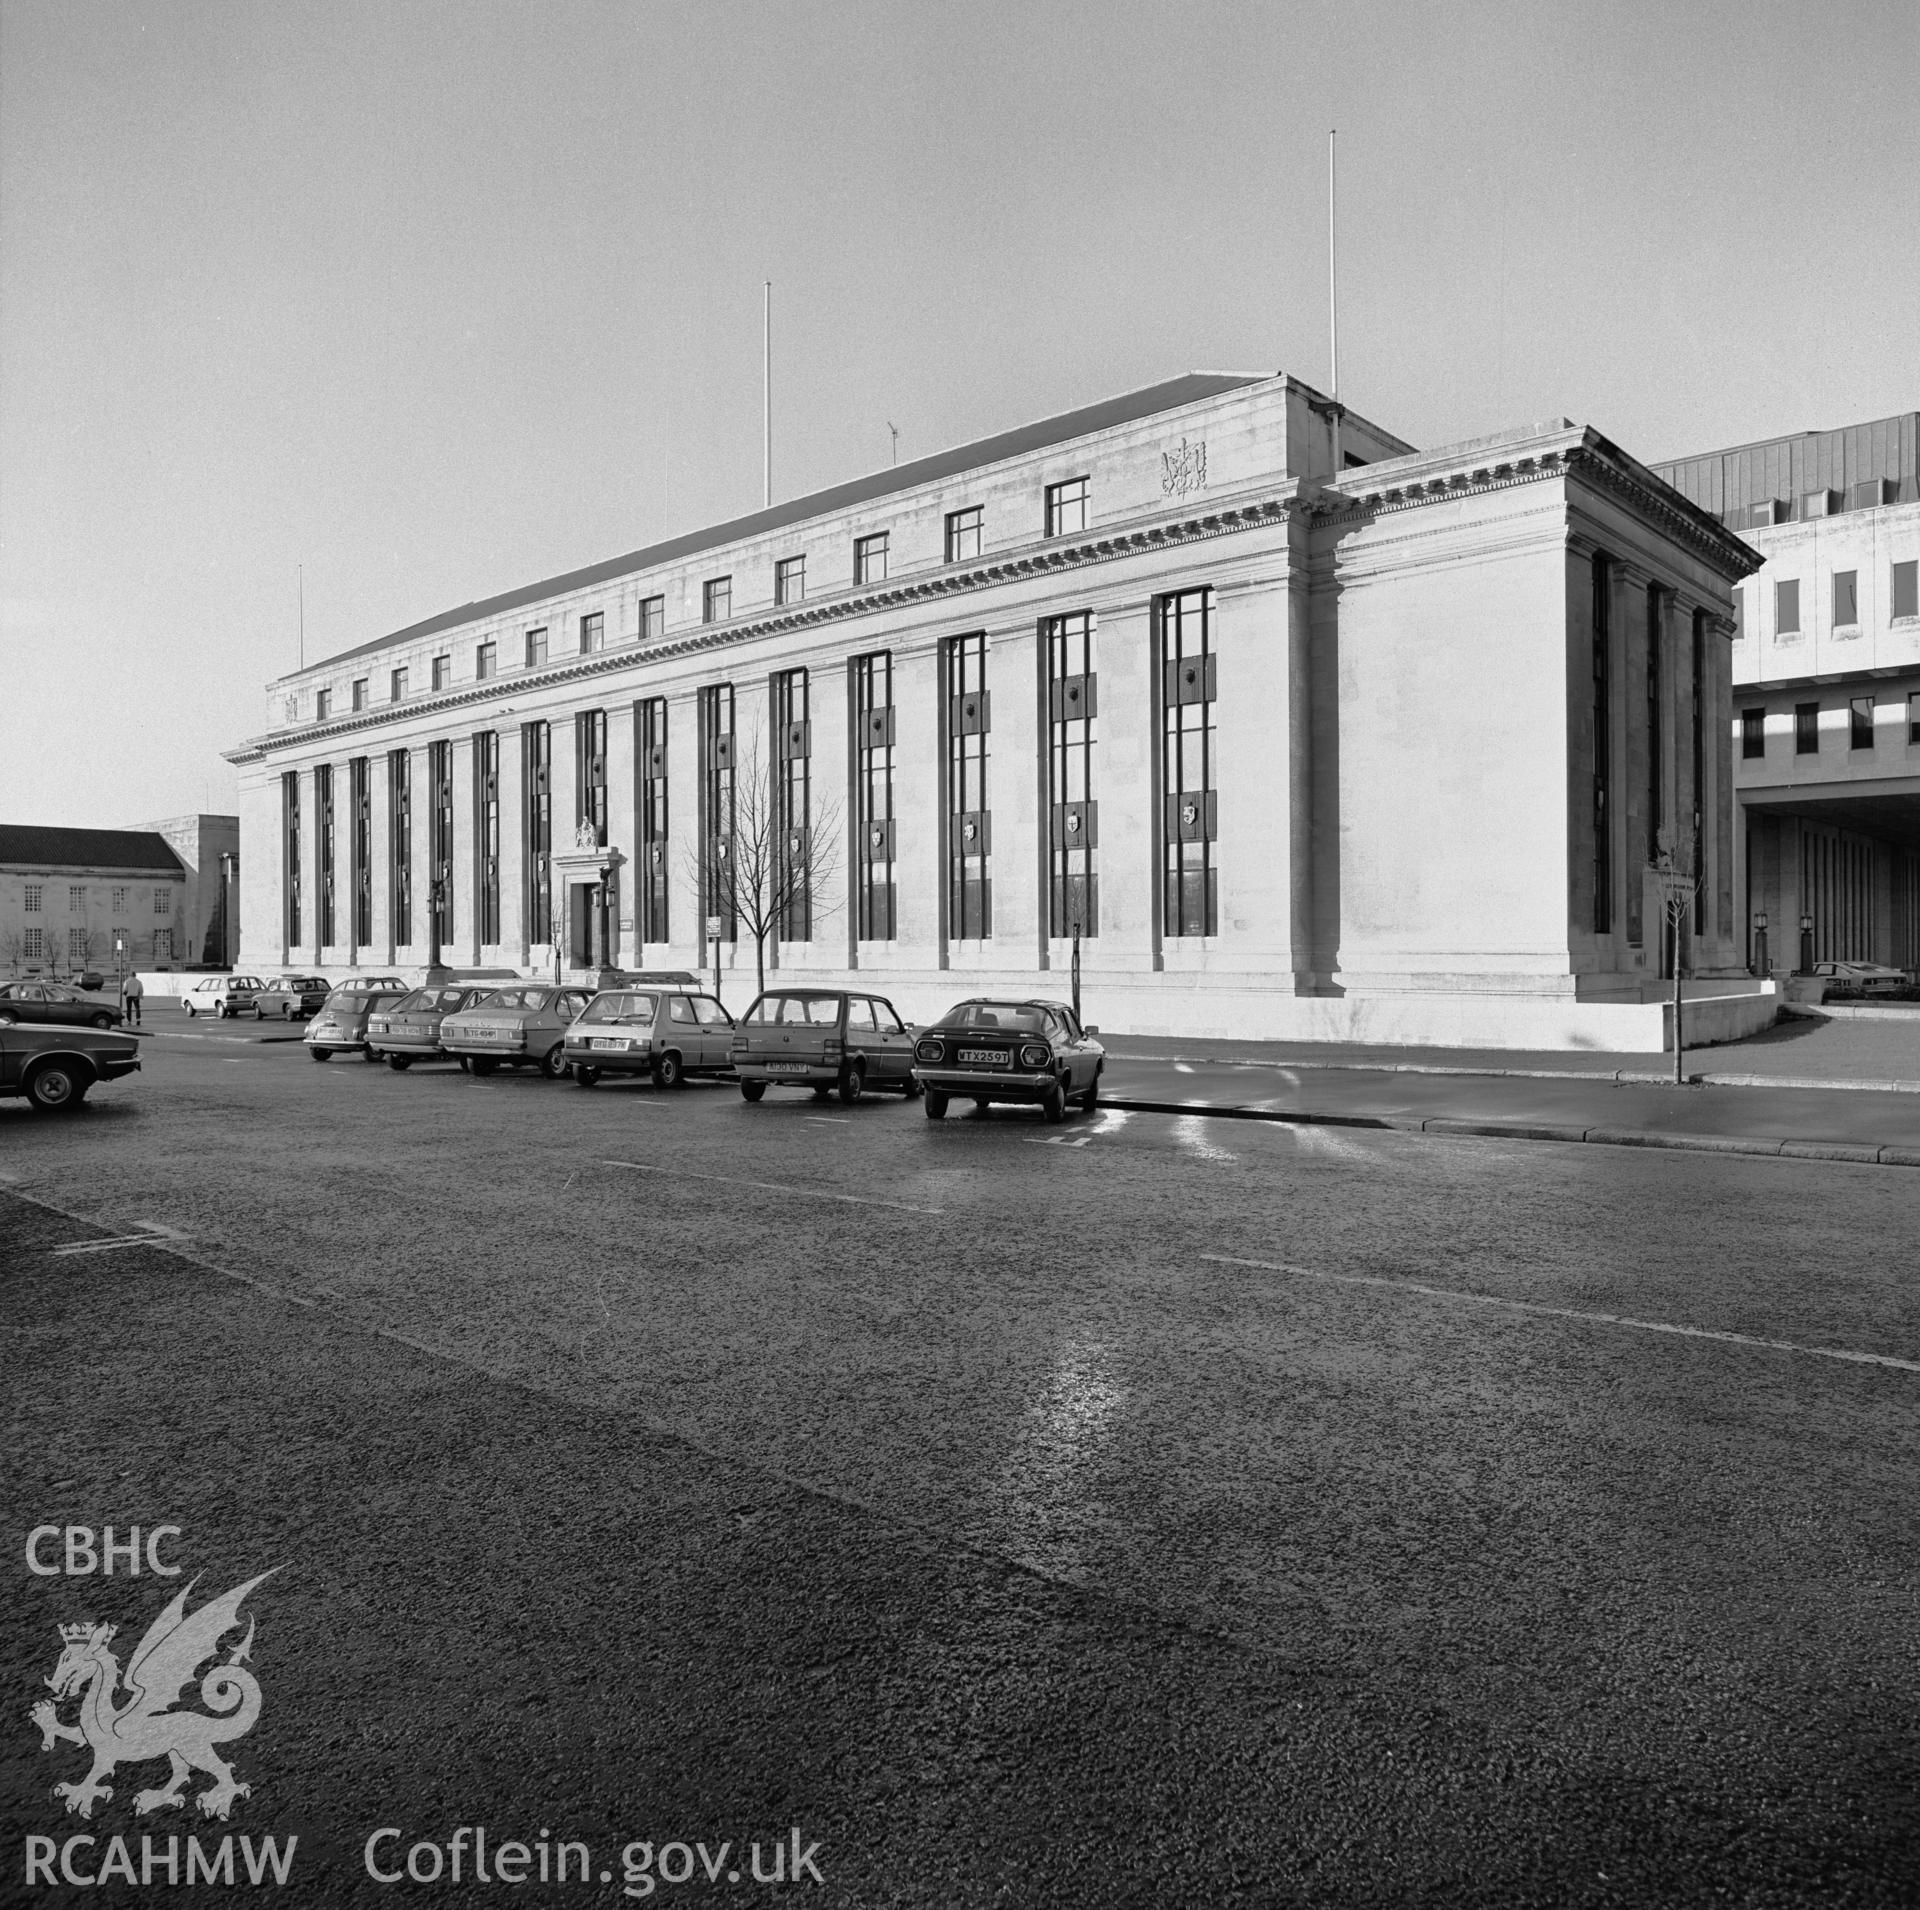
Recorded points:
1184,468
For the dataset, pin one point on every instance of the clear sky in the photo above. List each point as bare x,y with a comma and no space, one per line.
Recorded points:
437,299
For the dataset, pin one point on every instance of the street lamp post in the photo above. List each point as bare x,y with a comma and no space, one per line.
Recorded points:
1076,970
1760,943
436,901
1806,945
228,863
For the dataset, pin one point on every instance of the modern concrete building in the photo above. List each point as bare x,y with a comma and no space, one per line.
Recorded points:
209,851
1826,678
71,900
1375,753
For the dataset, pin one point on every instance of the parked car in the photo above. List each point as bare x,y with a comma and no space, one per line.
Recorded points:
1860,978
294,997
226,996
519,1027
54,1067
668,1033
53,1003
1020,1051
826,1040
92,981
408,1030
341,1026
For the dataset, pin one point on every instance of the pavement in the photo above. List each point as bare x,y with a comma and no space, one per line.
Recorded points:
1157,1510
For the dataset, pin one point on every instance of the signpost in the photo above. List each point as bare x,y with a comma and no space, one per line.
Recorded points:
714,926
1677,889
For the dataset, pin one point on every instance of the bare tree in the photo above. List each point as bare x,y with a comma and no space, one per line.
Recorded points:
771,870
13,950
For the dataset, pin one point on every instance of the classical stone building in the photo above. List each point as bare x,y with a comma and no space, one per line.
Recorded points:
1826,673
1377,752
73,900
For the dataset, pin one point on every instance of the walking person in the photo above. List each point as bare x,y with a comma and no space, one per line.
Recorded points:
131,991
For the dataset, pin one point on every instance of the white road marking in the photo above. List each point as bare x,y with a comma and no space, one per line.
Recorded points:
1190,1130
832,1120
1112,1120
1572,1313
773,1187
150,1232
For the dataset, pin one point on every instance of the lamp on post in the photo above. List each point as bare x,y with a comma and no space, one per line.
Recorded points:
1760,943
1076,970
609,891
436,902
1806,945
228,863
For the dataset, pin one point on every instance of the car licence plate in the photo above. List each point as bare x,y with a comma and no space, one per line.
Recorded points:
607,1041
786,1067
992,1056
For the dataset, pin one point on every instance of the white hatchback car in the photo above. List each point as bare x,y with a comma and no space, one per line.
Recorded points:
226,995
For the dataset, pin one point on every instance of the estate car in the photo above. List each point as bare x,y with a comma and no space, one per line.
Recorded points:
825,1039
294,996
226,995
1020,1051
667,1033
408,1030
519,1027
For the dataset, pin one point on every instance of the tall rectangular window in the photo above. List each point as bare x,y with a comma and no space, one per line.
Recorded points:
35,892
716,600
793,806
1656,729
163,901
1846,598
1067,507
789,580
1860,722
76,898
322,705
397,685
1190,888
359,693
650,731
1786,608
969,814
119,901
1806,729
360,806
1602,746
34,947
440,837
536,783
400,845
486,837
873,793
1073,698
323,841
442,672
78,942
964,530
716,805
870,558
1753,734
590,771
1906,589
593,632
536,649
486,660
653,619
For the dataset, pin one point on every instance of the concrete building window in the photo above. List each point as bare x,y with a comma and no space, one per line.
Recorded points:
400,845
1753,734
442,672
536,649
593,632
1656,736
1190,881
1913,716
76,899
119,901
653,619
486,837
536,825
870,559
716,600
440,839
34,947
1846,597
163,901
323,832
1073,893
789,580
590,771
716,805
650,729
322,705
970,817
1806,729
360,809
1602,746
793,804
486,660
1067,507
289,857
397,686
1906,589
163,945
873,793
1786,608
359,693
33,903
964,534
77,940
1860,722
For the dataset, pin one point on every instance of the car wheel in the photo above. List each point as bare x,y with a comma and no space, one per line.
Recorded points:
668,1072
752,1090
853,1084
1053,1104
399,1063
188,1006
101,1021
936,1105
1090,1101
462,1061
55,1086
320,1054
482,1064
553,1064
585,1076
259,1013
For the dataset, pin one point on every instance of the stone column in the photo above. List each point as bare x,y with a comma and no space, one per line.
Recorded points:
310,864
835,920
463,945
1016,789
1630,621
1728,925
623,835
1127,788
379,949
919,807
512,946
686,946
420,783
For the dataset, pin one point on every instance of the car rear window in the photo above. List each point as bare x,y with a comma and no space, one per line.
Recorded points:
816,1011
620,1006
1005,1016
516,998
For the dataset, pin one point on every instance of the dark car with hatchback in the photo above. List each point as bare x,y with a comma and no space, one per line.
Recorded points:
830,1040
294,997
55,1004
1027,1052
54,1067
341,1026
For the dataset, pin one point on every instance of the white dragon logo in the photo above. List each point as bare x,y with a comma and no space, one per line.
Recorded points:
146,1726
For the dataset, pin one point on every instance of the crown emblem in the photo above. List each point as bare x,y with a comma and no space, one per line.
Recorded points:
81,1633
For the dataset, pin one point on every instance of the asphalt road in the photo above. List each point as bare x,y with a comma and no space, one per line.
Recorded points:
1152,1510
